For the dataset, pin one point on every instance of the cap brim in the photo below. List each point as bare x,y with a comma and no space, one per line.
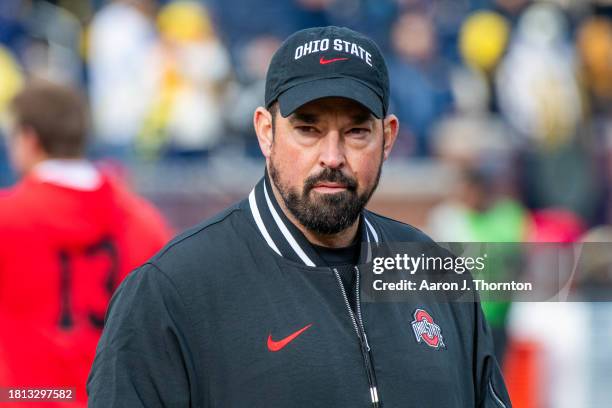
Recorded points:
309,91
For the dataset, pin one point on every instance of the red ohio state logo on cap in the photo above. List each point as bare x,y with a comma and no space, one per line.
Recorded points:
426,330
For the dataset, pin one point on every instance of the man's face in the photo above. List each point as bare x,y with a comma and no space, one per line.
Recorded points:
325,161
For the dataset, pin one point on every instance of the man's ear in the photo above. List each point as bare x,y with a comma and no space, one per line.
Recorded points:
262,121
29,139
390,131
25,149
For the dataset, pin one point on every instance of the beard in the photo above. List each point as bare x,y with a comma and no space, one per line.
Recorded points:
325,213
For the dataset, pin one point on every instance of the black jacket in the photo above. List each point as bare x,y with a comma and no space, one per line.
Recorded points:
241,312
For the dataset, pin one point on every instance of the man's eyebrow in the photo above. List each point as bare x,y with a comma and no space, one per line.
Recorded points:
309,118
362,118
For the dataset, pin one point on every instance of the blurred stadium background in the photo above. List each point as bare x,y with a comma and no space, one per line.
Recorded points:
505,109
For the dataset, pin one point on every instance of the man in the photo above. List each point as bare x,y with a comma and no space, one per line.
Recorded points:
261,305
69,234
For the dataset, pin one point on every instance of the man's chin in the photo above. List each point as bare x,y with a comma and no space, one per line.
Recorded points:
324,196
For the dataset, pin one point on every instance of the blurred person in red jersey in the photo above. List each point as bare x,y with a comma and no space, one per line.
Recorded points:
69,235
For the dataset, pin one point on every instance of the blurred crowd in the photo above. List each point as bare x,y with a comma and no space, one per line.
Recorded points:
181,77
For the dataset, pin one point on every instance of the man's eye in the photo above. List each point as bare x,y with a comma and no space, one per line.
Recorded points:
359,131
306,129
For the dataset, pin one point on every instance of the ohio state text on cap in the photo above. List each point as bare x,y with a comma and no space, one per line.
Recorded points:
324,62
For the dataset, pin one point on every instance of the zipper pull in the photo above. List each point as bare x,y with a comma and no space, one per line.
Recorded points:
365,339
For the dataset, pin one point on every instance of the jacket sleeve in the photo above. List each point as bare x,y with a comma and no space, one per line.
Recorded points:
142,358
490,387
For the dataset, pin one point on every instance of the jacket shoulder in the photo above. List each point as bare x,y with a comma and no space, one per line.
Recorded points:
211,239
397,231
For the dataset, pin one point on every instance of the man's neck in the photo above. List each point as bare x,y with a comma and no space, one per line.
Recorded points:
341,239
29,163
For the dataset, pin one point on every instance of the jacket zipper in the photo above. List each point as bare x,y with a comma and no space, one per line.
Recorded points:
497,399
361,335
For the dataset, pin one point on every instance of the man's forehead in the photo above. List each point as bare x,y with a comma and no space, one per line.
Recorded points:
320,108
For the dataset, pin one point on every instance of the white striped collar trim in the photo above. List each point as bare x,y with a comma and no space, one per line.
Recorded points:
369,255
259,222
371,228
283,228
370,232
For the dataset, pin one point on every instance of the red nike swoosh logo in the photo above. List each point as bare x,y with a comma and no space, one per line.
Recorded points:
323,61
279,345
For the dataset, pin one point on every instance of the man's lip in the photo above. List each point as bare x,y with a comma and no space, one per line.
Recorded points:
330,185
326,188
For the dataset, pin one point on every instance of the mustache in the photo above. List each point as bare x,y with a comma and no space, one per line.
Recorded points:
332,176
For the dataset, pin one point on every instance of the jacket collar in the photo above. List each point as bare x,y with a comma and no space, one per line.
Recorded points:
76,174
284,238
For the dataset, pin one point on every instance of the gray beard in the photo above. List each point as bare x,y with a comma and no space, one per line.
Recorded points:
324,214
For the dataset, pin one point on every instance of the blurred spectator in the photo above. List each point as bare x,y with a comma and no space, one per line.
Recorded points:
70,234
247,92
11,78
12,30
448,16
122,72
536,81
52,50
241,21
558,335
596,281
551,325
44,38
185,115
595,48
595,267
540,97
483,39
554,225
565,177
419,77
11,81
472,136
476,214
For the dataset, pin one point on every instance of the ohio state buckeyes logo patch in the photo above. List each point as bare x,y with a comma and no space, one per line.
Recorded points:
426,331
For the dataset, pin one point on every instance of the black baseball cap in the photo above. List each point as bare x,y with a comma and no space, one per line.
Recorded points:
324,62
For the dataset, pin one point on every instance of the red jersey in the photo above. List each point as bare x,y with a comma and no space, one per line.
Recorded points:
63,251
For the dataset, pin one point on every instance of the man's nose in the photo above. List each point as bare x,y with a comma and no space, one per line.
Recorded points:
332,151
